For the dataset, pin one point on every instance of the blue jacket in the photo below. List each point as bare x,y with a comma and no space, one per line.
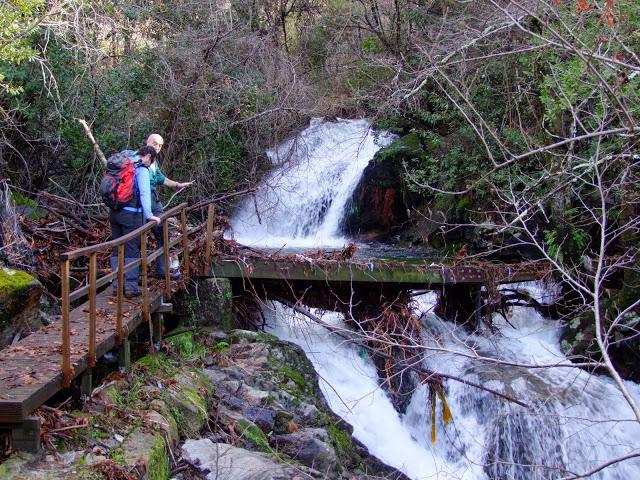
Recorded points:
143,190
143,180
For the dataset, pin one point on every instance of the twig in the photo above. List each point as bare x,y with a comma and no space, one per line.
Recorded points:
71,427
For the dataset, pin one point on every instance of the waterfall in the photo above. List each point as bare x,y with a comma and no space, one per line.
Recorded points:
303,200
576,421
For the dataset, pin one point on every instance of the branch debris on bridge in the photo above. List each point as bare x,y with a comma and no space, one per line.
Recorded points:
412,273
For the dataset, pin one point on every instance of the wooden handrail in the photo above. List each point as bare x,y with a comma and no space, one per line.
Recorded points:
81,252
145,258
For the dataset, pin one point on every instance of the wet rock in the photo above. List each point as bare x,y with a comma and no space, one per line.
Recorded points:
254,396
215,376
218,335
379,204
226,416
275,395
309,446
220,461
282,423
309,413
68,458
262,417
232,401
186,397
93,459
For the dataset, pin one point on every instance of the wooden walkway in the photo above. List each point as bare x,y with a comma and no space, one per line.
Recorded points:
30,371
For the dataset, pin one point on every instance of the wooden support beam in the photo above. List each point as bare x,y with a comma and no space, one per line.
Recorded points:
92,310
185,243
208,240
86,382
65,332
158,326
124,353
120,293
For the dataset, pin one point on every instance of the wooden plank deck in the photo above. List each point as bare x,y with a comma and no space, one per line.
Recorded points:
30,371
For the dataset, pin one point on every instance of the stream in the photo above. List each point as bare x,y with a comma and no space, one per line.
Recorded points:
576,420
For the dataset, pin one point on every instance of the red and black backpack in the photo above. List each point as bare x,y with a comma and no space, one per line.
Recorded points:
117,187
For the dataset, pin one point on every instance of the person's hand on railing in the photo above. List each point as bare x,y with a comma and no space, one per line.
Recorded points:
154,219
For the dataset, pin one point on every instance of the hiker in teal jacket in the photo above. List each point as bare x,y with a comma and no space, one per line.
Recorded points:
158,179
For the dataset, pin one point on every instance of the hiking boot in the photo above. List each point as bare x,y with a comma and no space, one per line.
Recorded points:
132,294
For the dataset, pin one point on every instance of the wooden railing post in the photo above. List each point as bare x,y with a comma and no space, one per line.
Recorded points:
208,240
120,293
92,309
167,262
185,241
143,269
66,340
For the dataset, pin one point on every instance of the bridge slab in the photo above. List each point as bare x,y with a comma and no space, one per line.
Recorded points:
412,274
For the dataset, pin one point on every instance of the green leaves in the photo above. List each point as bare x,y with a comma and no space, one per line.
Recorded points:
18,19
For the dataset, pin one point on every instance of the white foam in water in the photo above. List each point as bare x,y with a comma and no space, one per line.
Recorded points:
579,420
302,201
348,381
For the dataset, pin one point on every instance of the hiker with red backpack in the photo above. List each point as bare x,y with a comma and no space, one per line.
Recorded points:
126,190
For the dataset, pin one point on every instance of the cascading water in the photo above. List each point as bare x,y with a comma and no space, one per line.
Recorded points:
302,202
577,421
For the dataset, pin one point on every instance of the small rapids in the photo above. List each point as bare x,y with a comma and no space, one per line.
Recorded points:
577,420
302,201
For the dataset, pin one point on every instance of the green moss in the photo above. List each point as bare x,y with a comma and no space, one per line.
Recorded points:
17,290
157,363
340,441
198,400
295,377
158,467
267,337
186,346
14,280
253,434
344,447
117,455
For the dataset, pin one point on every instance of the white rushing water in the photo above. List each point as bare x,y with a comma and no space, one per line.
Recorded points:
302,201
577,420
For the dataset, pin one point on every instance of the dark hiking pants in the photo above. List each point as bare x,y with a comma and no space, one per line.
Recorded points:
122,223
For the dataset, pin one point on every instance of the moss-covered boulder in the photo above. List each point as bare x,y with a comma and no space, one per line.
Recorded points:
262,375
147,451
19,301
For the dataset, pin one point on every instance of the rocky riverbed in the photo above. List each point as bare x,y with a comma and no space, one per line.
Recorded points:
240,406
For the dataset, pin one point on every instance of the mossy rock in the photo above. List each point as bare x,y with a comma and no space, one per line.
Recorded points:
252,433
19,300
148,449
187,404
